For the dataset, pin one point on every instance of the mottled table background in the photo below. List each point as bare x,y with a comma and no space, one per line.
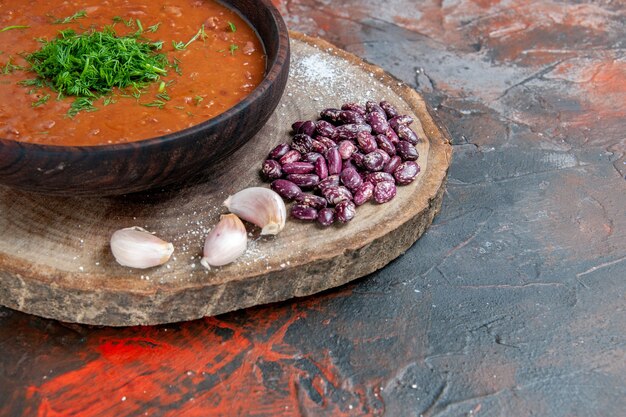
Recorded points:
512,304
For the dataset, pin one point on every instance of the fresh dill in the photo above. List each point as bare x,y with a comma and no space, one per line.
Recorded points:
232,27
154,28
233,48
201,34
42,100
4,29
163,96
81,104
91,64
10,67
198,100
78,15
156,103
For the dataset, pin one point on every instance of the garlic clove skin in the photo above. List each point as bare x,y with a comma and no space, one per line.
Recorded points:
137,248
260,206
226,242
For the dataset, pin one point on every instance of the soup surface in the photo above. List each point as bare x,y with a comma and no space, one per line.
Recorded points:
214,58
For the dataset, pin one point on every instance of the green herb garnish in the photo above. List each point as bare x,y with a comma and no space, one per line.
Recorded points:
198,100
91,64
201,34
4,29
154,28
41,101
81,104
233,48
232,27
156,103
78,15
10,67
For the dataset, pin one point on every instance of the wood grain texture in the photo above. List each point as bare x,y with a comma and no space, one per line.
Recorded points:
55,259
148,164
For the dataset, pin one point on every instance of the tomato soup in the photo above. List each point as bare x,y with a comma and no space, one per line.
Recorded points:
214,60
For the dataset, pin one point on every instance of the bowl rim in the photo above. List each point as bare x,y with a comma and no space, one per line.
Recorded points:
274,69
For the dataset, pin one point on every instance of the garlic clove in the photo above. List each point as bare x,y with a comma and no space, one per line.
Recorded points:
137,248
260,206
226,242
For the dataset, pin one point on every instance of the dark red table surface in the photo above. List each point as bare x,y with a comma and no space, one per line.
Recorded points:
512,304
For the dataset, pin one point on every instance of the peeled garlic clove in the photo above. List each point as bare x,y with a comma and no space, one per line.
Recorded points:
226,242
137,248
260,206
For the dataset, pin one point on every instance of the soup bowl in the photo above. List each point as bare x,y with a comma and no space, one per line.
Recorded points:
162,160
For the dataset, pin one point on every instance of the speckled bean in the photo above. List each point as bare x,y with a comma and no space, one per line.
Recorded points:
392,164
351,178
373,161
302,143
321,168
336,194
354,107
385,144
330,181
345,211
290,156
304,180
404,119
317,146
406,133
373,107
279,151
366,142
389,109
350,131
311,157
302,212
392,136
346,148
286,189
384,191
364,193
351,117
406,172
333,160
296,125
307,128
298,168
311,200
406,151
326,216
271,169
324,128
331,115
328,142
384,154
378,177
378,122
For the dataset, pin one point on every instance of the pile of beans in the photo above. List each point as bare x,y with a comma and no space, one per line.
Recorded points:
347,158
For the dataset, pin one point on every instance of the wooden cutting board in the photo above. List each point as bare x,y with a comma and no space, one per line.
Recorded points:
55,259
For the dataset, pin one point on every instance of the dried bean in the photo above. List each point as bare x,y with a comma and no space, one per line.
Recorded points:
298,168
311,200
385,156
389,109
290,156
392,164
304,180
331,115
384,191
286,189
378,122
392,136
385,144
307,128
279,151
366,142
406,151
373,161
378,177
396,121
354,107
323,128
317,146
296,125
321,168
330,181
351,117
346,149
326,216
406,133
311,157
302,212
350,131
357,158
328,142
334,161
364,193
348,163
271,169
345,211
302,143
373,107
406,172
336,194
351,178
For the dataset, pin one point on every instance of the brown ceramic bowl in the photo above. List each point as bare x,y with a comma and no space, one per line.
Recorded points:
137,166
